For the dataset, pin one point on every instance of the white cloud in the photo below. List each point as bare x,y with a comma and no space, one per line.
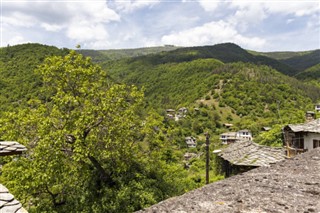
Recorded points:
52,27
132,5
247,14
84,31
298,8
212,33
18,19
80,21
17,40
209,5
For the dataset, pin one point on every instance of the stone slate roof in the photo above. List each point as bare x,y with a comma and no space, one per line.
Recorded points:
247,153
7,202
312,126
11,148
292,185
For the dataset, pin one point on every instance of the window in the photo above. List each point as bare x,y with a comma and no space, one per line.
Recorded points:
316,143
298,141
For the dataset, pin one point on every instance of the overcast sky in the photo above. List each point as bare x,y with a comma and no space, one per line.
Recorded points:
113,24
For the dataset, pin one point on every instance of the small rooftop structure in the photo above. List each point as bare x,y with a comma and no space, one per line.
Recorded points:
191,142
227,125
310,115
11,148
292,185
317,107
248,153
8,204
266,128
170,110
312,126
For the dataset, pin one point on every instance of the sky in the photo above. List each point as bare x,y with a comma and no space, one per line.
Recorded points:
117,24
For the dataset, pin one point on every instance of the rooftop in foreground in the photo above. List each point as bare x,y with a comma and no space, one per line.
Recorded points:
292,185
248,153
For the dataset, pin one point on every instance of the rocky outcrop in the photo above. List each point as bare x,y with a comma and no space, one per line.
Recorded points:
292,185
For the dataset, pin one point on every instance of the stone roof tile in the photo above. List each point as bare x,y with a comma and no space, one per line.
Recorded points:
312,126
11,148
247,153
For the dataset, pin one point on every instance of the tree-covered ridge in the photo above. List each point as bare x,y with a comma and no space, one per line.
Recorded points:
312,73
18,81
303,62
280,55
115,54
172,84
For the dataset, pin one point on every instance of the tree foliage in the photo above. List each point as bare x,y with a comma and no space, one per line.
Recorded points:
84,145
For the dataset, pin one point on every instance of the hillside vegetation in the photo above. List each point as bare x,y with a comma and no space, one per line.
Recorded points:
304,61
103,55
281,55
99,131
17,80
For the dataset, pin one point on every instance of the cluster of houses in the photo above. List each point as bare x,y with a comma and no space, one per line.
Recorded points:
181,113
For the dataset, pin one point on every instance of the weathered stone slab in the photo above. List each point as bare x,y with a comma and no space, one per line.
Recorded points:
292,185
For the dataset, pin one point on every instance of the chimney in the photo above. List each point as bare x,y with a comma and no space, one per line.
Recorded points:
310,116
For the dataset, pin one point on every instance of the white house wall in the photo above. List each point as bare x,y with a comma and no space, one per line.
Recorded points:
308,140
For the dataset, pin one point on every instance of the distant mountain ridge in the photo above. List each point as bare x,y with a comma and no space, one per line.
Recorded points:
226,52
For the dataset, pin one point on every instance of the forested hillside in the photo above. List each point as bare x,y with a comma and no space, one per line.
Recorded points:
304,61
103,55
99,139
18,81
243,86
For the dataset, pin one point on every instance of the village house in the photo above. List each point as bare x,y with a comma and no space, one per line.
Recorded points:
245,155
300,138
232,137
191,142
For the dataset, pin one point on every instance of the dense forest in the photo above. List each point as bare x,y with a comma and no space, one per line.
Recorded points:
97,131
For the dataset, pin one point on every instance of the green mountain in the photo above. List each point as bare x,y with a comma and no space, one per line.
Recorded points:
312,73
227,52
254,92
280,55
17,80
304,61
103,55
224,75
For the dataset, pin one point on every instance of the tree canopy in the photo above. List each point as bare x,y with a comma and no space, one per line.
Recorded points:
84,144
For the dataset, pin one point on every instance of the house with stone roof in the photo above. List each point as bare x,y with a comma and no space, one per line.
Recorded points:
8,204
300,138
246,155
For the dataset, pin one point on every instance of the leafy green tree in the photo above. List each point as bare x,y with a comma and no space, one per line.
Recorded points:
82,140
